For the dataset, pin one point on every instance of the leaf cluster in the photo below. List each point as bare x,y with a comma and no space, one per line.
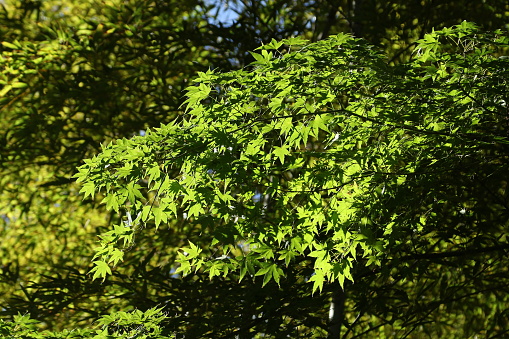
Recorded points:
304,153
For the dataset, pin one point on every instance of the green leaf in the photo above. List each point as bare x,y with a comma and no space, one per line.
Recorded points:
88,188
19,85
5,90
270,271
281,152
116,256
318,280
101,269
111,202
159,216
296,41
273,44
11,45
153,173
195,210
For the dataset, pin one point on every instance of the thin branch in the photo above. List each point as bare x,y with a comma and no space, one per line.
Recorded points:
452,254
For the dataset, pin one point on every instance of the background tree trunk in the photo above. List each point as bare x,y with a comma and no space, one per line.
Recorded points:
336,313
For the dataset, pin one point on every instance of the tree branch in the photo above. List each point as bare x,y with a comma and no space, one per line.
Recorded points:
452,254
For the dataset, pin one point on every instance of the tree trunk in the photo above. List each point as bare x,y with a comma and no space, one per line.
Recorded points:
356,18
336,313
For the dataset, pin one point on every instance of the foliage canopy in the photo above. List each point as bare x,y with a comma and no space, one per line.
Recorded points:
322,155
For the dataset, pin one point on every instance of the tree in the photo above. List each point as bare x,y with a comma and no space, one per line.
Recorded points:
75,76
394,26
383,185
68,77
78,75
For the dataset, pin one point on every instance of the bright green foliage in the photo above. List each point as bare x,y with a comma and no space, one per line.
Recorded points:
122,325
247,150
136,324
324,153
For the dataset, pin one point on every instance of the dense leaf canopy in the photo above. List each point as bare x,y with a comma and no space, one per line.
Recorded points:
323,156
